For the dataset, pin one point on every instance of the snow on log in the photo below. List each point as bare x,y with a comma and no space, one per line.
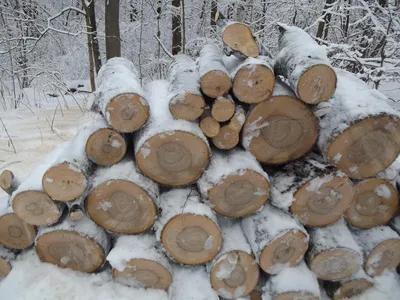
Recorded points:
120,96
253,80
359,131
169,151
208,125
214,78
305,64
8,182
122,200
276,238
187,228
223,108
316,194
333,254
6,257
234,272
186,101
239,39
15,233
280,129
234,183
375,202
80,245
137,262
381,248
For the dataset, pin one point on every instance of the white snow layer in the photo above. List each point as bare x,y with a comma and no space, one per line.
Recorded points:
282,89
386,287
211,60
251,62
368,239
231,62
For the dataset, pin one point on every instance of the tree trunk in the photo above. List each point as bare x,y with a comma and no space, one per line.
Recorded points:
15,233
176,28
8,182
322,31
239,39
223,108
90,10
113,41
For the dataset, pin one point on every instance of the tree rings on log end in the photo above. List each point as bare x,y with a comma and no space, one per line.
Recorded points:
235,275
384,256
366,147
187,107
15,233
64,182
70,249
105,147
322,200
210,127
215,84
145,273
279,130
6,179
375,203
121,206
127,112
223,109
36,208
317,84
5,268
238,195
173,158
227,138
352,288
191,239
296,296
239,38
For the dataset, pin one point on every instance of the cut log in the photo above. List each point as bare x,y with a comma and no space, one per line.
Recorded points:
214,78
187,228
186,101
276,238
280,129
169,151
375,203
209,125
333,255
15,233
359,131
6,257
239,39
120,96
253,80
138,263
234,272
317,194
234,184
76,213
8,182
305,64
121,199
80,245
223,109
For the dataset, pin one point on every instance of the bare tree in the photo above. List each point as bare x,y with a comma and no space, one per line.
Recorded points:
176,28
113,42
323,26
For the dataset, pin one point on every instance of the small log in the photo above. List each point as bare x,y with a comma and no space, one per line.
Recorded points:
316,194
186,101
138,263
239,39
333,254
305,64
360,132
208,125
80,245
121,200
169,151
8,182
76,213
187,228
6,257
237,189
120,96
15,233
223,109
280,129
276,238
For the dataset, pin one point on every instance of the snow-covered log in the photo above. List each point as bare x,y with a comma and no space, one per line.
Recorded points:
185,99
187,228
15,233
305,64
137,262
120,96
395,224
169,151
276,238
317,194
80,245
6,257
333,254
280,129
239,39
122,200
234,183
208,125
375,202
223,108
8,182
359,131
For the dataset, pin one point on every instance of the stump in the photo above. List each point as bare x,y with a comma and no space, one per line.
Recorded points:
15,233
223,109
6,257
208,125
8,182
239,39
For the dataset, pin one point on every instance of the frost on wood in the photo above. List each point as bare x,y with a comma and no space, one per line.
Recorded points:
239,39
15,233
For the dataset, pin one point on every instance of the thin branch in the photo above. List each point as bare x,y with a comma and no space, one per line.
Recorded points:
9,137
163,47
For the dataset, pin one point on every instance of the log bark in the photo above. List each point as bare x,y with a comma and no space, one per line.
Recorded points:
15,233
234,184
8,182
208,125
276,238
305,64
187,228
280,129
6,257
239,39
223,109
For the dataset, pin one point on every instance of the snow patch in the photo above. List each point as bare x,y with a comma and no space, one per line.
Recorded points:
383,191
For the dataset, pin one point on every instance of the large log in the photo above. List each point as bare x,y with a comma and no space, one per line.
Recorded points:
6,257
138,263
187,228
223,108
280,129
121,199
239,39
276,238
169,151
316,194
8,182
120,96
15,233
305,64
359,131
234,184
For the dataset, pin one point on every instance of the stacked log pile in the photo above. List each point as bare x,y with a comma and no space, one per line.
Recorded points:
235,168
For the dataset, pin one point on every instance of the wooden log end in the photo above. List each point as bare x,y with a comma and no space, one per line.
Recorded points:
296,295
187,107
239,38
227,138
215,84
210,127
223,109
5,268
15,233
352,288
6,181
384,256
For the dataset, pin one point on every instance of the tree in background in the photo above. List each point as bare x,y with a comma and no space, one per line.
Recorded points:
113,41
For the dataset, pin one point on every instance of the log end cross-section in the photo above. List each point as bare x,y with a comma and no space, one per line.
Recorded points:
15,233
239,38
